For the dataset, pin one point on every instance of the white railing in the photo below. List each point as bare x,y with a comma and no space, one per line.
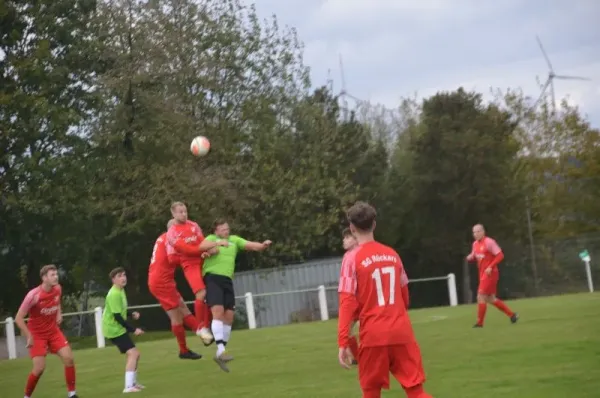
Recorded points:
250,313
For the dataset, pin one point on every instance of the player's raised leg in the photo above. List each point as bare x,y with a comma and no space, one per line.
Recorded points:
221,300
193,274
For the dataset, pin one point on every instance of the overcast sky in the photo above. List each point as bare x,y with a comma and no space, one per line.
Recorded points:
396,48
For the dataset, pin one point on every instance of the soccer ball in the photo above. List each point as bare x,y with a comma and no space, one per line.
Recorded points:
200,146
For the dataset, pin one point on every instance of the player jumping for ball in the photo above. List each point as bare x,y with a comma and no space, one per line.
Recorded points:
161,283
488,255
117,329
42,329
349,243
374,284
185,245
218,272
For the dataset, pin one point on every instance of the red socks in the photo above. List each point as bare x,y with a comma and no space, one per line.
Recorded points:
481,308
70,378
199,312
191,323
32,381
416,392
353,345
372,393
503,307
179,332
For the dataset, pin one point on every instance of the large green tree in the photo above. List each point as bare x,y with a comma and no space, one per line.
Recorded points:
48,68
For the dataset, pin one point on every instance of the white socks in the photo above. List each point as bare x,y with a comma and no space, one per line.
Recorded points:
220,332
129,379
226,332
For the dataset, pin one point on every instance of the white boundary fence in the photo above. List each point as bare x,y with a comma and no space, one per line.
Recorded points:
11,341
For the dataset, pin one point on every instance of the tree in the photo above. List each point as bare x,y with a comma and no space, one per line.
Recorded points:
47,74
455,166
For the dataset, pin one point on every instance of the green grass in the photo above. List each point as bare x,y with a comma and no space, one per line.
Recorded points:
553,352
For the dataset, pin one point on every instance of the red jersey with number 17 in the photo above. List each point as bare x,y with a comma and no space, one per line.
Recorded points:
42,307
161,272
375,275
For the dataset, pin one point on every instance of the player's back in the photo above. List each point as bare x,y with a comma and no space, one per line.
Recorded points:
188,233
380,278
160,269
42,307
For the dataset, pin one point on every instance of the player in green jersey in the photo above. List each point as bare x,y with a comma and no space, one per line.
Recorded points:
218,269
117,329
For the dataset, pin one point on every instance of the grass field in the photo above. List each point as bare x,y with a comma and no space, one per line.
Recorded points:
553,352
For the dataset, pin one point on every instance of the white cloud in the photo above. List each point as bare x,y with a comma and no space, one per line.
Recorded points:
394,48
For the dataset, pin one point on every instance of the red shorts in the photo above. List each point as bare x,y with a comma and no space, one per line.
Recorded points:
192,269
167,295
488,285
42,345
403,361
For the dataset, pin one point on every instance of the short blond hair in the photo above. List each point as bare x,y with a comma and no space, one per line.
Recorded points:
176,204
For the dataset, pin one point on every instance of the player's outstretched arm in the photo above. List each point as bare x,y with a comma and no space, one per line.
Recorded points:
257,246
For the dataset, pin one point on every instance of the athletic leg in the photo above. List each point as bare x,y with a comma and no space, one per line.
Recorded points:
39,365
66,355
193,275
407,367
373,371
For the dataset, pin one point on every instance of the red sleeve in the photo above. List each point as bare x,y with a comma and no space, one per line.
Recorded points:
180,246
30,300
187,249
348,304
404,284
405,296
495,250
346,316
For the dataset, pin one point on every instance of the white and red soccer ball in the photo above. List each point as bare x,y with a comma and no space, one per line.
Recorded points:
200,146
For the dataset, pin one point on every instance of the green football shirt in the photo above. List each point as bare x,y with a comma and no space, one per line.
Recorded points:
115,303
223,263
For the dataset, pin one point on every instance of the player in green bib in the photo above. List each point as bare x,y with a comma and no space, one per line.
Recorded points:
218,270
116,328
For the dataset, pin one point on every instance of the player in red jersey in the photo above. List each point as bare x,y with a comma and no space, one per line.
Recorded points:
161,283
374,284
349,243
488,255
185,245
42,329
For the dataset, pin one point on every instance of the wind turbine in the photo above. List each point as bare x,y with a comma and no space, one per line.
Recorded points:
550,80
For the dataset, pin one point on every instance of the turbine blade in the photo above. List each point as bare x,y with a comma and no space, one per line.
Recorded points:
565,77
544,53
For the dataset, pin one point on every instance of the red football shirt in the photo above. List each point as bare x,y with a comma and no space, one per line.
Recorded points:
160,272
373,276
485,252
183,239
42,307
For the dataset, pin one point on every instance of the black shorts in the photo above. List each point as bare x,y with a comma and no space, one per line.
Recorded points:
123,342
219,291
